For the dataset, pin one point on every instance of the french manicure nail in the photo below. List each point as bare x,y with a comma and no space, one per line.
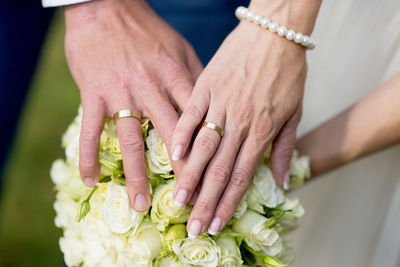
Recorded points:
89,182
141,202
177,152
181,198
286,181
215,226
194,229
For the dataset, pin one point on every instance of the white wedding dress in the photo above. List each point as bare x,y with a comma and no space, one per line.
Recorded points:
352,214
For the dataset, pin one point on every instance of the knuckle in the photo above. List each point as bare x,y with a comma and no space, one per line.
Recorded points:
219,173
207,143
135,182
131,143
86,165
240,178
181,132
264,129
175,68
194,112
145,76
89,137
189,176
244,114
227,206
202,208
285,149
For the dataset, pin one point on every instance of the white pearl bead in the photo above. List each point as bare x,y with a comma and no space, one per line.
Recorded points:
306,41
311,45
290,35
237,13
242,12
298,38
265,22
282,31
273,26
257,19
250,15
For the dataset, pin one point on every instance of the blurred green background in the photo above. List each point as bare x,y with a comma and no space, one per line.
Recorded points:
28,236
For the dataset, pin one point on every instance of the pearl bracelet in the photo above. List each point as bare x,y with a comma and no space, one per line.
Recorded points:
304,40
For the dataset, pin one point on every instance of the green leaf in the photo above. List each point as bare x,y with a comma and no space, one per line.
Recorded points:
106,179
114,167
273,262
247,257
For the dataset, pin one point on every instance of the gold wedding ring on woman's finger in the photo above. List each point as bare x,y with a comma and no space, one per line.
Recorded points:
214,127
127,113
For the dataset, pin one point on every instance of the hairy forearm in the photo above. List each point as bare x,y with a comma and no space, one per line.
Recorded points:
370,125
299,15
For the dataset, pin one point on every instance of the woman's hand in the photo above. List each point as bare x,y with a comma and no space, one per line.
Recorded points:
253,89
123,56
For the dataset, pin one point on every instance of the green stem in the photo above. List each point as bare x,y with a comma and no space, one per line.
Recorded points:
91,193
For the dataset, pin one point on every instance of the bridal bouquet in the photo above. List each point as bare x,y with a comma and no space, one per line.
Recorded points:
101,229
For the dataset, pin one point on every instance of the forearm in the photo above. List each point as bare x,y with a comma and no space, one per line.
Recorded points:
299,15
370,125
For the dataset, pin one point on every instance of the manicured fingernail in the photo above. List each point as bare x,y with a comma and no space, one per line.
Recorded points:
90,182
177,152
286,181
181,198
141,203
215,226
194,229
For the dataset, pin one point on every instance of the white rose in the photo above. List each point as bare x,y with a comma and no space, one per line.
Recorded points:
263,190
72,246
168,261
296,208
144,247
66,209
287,255
241,208
70,141
60,172
252,226
299,169
230,253
202,251
117,213
164,211
98,241
67,179
157,155
78,118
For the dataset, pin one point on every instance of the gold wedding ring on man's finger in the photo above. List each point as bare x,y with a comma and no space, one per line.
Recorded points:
214,127
127,113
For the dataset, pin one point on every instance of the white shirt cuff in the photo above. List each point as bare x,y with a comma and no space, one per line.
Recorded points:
53,3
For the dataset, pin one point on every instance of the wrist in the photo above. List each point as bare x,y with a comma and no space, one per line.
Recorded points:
299,15
109,11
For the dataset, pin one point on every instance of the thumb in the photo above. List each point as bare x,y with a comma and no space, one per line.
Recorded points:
282,150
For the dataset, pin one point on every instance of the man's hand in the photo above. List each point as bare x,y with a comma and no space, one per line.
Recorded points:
123,56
